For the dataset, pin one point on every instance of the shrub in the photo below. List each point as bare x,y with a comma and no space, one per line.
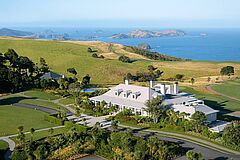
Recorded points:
125,59
78,127
94,55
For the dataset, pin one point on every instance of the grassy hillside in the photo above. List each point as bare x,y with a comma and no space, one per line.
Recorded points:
230,88
62,55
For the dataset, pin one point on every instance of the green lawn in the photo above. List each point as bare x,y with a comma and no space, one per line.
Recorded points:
41,95
11,117
67,100
230,88
3,145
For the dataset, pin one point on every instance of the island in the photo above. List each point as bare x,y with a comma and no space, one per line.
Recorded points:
139,33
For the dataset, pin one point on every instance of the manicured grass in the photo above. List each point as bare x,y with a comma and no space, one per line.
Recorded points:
43,134
223,104
67,100
3,145
13,116
230,88
62,55
41,95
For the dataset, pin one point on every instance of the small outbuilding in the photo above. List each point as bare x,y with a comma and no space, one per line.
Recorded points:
51,75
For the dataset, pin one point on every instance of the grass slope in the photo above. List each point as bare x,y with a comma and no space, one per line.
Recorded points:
62,55
12,117
230,88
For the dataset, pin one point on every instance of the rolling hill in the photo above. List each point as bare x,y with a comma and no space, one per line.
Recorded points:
61,55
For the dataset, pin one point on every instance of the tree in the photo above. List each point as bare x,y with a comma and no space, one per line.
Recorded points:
172,116
192,81
190,155
231,133
32,130
114,125
209,79
199,118
75,90
51,130
125,59
12,57
43,66
151,68
86,80
155,108
72,71
179,76
228,70
90,50
141,149
21,135
94,55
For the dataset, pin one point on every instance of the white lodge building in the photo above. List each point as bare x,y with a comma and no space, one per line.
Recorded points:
126,96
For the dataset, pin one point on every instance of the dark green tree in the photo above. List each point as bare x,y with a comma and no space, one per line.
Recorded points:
86,80
72,71
228,70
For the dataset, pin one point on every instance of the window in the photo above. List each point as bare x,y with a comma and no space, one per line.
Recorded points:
116,93
133,96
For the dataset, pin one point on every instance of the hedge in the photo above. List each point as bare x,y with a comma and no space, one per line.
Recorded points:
78,127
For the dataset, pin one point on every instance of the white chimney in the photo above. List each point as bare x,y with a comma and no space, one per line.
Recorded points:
163,89
175,86
152,84
126,81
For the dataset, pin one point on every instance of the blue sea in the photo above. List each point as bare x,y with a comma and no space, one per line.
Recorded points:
198,44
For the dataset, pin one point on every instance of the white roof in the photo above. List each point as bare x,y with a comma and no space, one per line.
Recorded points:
218,126
144,94
179,100
120,101
205,109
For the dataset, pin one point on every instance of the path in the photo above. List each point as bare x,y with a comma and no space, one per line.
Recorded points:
56,101
209,88
185,138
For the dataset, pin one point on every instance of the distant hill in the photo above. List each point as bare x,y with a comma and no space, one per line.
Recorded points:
11,32
149,34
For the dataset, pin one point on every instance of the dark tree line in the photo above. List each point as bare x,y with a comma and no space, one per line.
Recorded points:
19,72
153,55
152,74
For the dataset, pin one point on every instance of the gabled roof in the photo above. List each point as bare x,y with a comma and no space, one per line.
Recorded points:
51,75
205,109
179,100
143,94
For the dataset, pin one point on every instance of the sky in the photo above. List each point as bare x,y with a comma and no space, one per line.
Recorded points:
121,13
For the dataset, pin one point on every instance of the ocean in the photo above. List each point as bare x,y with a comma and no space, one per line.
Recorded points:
197,44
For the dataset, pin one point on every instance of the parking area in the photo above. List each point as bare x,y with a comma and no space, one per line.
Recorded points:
90,120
